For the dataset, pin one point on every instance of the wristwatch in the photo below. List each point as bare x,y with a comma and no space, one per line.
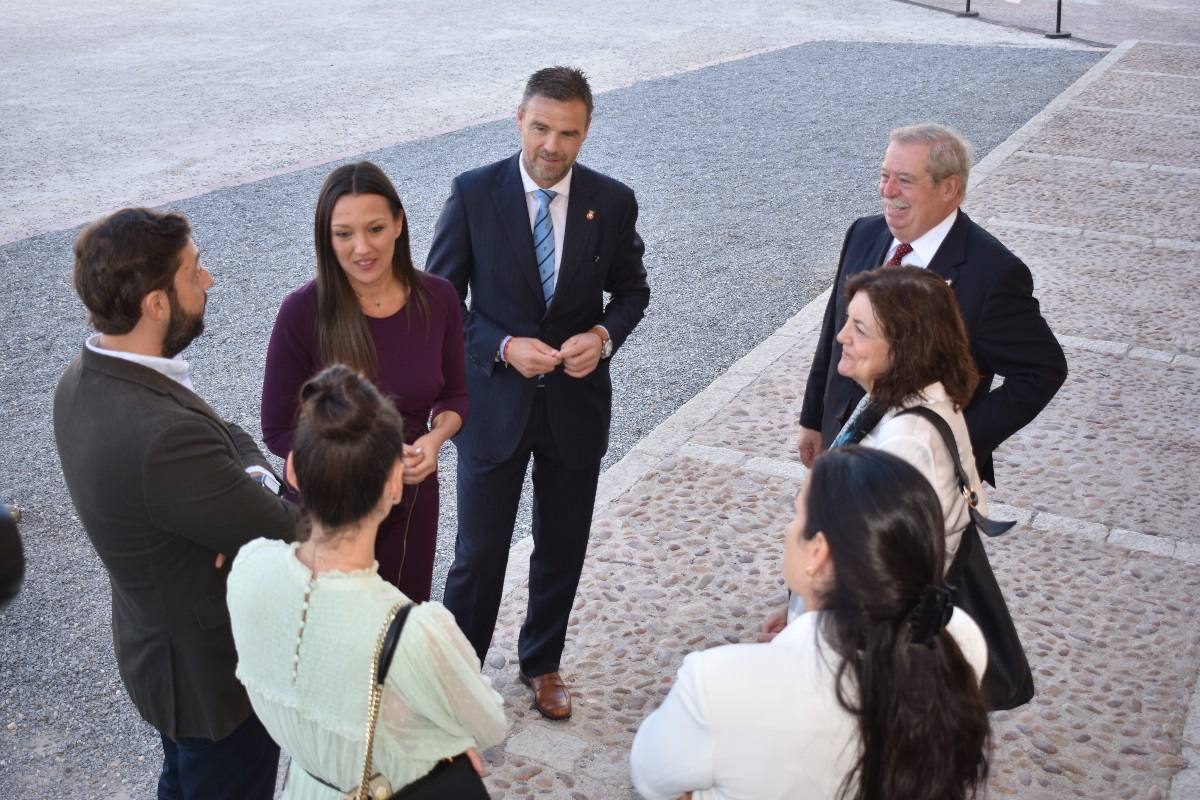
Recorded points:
605,340
265,479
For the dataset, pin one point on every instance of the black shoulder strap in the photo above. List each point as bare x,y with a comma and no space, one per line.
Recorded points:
988,526
390,641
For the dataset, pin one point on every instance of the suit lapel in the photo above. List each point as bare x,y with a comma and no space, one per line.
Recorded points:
579,232
883,243
508,194
952,254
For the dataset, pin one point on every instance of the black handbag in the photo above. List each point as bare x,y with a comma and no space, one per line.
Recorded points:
1008,680
451,779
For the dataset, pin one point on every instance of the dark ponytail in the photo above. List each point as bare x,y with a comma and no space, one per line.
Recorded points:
347,440
922,721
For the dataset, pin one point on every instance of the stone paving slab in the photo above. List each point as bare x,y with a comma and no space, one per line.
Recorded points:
687,560
1165,58
1120,137
1112,640
763,422
1134,91
1077,195
762,419
1113,447
1053,464
1075,275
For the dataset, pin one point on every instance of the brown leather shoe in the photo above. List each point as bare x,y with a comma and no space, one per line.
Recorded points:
550,695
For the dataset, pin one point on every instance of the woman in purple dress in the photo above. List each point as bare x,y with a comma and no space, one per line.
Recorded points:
371,309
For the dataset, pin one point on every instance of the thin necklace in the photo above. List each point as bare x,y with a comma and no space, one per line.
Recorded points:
383,296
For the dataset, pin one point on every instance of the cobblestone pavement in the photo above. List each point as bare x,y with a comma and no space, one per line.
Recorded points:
1103,574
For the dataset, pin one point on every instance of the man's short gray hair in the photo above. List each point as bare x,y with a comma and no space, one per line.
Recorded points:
949,152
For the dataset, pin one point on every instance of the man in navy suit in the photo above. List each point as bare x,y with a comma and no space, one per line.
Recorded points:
537,240
922,182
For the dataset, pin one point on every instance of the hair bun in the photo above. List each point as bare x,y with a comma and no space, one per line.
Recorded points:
339,404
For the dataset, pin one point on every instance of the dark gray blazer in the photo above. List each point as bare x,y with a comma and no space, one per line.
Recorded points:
1004,322
158,481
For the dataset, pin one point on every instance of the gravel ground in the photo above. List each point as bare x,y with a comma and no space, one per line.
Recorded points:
747,172
112,104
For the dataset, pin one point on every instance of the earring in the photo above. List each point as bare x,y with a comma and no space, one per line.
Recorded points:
809,572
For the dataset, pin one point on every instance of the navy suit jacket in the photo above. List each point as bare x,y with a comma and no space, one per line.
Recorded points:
483,243
1008,335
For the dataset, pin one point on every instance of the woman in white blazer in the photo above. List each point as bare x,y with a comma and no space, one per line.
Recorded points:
873,692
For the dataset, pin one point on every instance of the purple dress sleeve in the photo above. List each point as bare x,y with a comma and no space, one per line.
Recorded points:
453,396
292,358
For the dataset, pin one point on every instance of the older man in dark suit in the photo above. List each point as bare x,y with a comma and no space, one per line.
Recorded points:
537,240
922,182
166,490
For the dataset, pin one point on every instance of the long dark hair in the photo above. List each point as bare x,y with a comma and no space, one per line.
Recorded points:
922,720
341,326
919,316
347,441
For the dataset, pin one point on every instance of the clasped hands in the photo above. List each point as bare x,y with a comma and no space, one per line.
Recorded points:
421,457
578,355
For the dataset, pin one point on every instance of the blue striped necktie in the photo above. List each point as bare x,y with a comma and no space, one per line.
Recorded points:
543,242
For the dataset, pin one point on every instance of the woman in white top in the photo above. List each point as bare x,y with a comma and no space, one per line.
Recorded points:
307,616
868,694
905,343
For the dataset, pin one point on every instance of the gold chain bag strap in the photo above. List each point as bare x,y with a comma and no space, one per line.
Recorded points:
377,787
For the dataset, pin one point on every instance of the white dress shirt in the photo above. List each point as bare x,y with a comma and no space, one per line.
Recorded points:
760,720
925,247
916,441
558,207
175,368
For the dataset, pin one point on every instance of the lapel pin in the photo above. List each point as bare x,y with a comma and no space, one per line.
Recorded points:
591,215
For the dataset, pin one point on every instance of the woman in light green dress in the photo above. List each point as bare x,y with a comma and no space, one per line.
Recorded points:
306,616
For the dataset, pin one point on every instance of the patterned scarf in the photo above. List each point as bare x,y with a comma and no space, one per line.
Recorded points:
862,421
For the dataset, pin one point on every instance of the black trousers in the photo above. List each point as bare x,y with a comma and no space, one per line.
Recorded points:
488,496
242,766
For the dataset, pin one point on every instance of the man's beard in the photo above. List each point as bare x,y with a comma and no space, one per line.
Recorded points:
541,172
182,328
